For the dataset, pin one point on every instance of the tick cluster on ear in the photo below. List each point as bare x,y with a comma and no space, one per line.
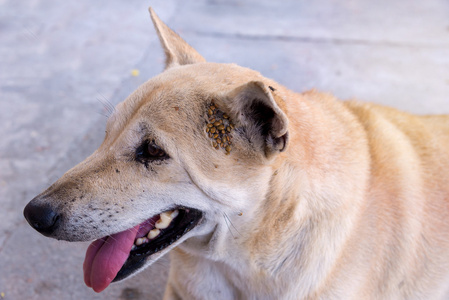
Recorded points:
219,128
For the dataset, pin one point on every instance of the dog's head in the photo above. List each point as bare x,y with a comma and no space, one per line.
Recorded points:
186,150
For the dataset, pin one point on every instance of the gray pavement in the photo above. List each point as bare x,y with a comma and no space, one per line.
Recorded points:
59,60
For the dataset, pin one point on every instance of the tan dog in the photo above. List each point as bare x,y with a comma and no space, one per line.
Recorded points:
265,193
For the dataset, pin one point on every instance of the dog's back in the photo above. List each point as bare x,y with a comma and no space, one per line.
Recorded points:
405,219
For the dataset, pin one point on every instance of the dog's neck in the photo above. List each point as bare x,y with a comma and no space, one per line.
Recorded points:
300,205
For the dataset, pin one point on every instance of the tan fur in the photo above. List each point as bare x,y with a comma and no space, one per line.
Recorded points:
355,206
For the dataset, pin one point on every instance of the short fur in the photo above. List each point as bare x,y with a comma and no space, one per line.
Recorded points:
318,198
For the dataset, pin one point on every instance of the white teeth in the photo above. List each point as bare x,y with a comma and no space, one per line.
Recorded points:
166,218
164,221
174,213
153,233
141,241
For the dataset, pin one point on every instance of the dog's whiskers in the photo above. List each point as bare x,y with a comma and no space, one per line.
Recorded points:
107,105
226,221
229,224
104,115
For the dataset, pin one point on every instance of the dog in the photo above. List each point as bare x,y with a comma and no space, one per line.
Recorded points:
258,192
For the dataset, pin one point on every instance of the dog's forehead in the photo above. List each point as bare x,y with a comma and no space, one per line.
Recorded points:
178,95
208,78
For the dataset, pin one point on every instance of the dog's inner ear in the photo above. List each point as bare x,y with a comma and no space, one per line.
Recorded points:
264,123
177,51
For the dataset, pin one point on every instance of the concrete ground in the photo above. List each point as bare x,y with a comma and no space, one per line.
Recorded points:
59,60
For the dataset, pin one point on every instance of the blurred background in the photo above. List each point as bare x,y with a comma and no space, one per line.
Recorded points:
60,61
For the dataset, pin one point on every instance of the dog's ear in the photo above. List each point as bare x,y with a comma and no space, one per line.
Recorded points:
177,51
260,117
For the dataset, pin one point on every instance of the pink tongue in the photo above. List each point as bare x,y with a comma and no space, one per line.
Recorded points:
105,257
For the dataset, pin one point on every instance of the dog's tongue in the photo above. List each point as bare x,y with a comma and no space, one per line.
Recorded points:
105,257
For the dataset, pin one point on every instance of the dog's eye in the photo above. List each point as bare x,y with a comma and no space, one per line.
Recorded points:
150,151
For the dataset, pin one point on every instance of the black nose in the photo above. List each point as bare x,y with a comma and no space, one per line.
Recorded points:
41,217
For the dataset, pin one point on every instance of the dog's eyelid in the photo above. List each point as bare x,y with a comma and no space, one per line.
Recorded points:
150,151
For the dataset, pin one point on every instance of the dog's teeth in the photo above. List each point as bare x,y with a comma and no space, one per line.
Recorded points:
139,242
133,247
166,218
164,221
174,213
153,233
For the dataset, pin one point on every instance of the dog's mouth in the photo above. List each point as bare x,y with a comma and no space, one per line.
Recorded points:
115,257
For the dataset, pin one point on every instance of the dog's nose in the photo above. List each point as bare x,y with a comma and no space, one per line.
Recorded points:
41,217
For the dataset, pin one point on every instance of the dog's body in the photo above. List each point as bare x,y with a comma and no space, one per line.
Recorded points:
307,198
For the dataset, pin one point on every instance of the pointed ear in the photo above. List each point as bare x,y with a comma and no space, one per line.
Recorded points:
262,120
177,51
